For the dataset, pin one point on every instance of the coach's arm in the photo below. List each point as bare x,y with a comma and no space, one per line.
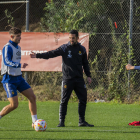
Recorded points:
49,54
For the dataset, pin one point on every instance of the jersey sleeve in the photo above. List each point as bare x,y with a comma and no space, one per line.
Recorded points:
7,54
137,67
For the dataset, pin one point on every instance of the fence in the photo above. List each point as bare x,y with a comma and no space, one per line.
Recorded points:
107,21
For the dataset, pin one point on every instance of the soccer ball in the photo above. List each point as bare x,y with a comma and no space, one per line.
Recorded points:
40,125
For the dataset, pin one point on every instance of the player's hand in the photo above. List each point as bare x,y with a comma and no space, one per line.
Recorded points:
32,55
129,67
23,65
89,80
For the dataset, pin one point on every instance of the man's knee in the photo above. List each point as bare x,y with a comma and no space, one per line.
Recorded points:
83,101
64,101
32,98
14,105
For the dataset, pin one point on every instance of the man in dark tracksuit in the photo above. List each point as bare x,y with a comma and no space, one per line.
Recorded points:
74,60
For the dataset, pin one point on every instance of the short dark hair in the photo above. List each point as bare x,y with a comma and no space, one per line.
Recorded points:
14,30
74,32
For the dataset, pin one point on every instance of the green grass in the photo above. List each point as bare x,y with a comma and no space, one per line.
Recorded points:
110,120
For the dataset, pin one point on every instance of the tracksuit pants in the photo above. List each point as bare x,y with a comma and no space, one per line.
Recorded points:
78,85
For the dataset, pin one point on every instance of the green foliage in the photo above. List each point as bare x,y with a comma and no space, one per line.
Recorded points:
40,78
114,79
117,75
10,21
62,16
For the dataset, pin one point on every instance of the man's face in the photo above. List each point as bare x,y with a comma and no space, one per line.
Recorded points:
16,38
73,39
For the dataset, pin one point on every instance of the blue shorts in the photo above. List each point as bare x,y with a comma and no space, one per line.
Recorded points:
11,88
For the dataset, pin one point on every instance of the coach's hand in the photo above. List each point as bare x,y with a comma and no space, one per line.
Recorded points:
32,55
89,80
129,67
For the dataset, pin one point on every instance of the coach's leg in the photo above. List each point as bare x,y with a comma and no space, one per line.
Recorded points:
81,92
67,87
32,100
13,105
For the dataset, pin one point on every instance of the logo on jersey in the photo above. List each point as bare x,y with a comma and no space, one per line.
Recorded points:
80,53
12,92
69,55
18,53
84,86
65,86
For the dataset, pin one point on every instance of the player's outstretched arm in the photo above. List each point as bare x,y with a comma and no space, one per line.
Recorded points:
129,67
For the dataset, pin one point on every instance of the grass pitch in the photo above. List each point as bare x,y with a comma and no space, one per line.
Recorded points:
110,120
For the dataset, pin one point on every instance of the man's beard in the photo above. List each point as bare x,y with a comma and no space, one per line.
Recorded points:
74,43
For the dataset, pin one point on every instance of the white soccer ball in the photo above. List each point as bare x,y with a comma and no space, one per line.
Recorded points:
40,125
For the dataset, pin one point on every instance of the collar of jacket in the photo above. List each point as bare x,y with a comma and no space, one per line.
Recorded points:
13,43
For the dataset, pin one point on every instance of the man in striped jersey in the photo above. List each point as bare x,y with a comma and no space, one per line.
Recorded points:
12,76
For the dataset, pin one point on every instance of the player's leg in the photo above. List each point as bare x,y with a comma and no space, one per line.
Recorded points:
32,104
66,89
81,92
32,100
13,105
12,97
27,91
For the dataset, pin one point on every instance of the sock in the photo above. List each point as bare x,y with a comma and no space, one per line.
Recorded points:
0,116
34,118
